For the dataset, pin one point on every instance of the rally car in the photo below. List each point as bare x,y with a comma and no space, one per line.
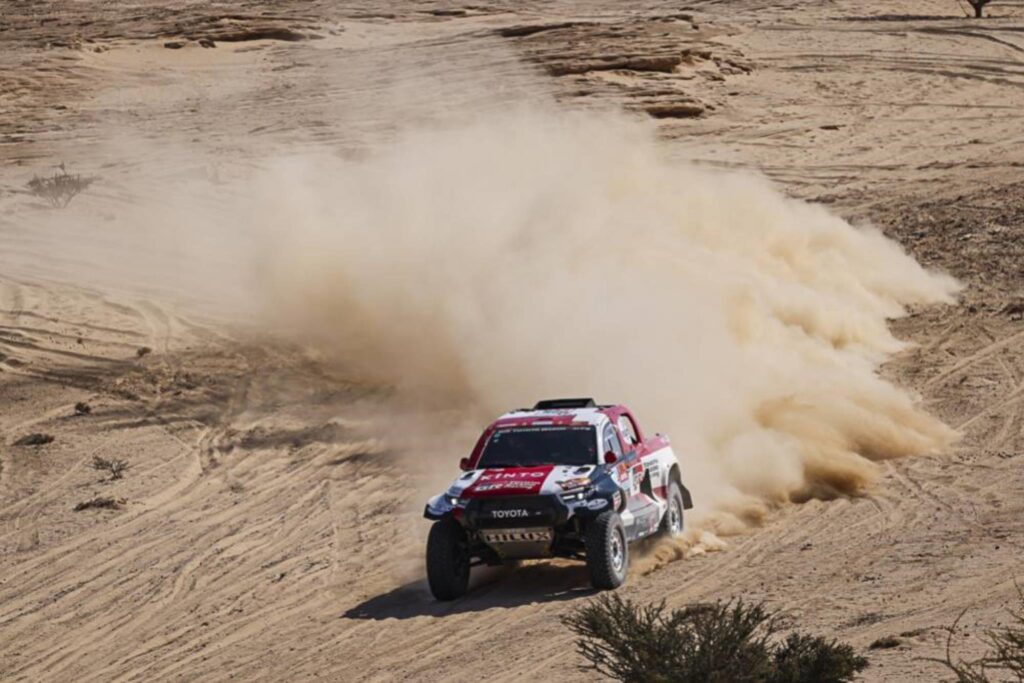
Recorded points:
568,478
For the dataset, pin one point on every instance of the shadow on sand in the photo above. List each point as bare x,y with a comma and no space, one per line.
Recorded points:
904,17
489,589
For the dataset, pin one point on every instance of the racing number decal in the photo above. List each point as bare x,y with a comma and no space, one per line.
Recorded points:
622,469
630,475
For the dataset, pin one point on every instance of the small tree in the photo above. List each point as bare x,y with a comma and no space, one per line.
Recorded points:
979,6
731,642
60,188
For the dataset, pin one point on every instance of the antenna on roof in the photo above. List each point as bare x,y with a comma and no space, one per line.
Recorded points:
564,403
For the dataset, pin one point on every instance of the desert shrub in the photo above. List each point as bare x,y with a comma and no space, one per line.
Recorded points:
801,658
885,643
36,439
1005,651
60,188
116,468
101,503
724,642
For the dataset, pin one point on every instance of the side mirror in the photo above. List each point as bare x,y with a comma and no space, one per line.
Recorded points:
464,464
609,457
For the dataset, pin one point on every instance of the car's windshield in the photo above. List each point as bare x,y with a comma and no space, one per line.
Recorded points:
528,446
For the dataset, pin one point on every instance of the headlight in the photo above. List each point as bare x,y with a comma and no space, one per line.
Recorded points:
575,489
455,502
579,494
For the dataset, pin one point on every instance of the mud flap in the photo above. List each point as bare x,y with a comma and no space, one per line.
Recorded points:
687,500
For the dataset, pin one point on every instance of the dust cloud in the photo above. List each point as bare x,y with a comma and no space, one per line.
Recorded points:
508,256
533,253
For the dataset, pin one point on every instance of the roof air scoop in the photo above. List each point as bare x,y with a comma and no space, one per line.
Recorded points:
565,403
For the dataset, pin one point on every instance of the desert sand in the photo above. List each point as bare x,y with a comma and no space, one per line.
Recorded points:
269,526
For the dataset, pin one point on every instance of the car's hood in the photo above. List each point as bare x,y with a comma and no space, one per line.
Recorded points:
522,481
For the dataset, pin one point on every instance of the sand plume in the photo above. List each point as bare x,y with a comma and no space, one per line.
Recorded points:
535,253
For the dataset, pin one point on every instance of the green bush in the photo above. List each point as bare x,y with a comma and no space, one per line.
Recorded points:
724,642
802,658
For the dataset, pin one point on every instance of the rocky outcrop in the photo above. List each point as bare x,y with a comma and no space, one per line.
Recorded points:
664,64
679,110
658,63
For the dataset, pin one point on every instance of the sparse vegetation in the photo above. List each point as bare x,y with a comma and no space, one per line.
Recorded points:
116,468
885,643
36,439
143,351
60,188
732,642
82,408
101,503
1005,651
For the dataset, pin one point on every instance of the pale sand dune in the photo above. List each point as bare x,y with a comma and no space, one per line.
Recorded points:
271,527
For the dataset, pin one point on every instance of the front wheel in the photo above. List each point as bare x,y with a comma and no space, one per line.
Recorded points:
672,522
447,560
607,552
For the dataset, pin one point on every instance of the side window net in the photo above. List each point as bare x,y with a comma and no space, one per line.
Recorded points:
626,427
611,442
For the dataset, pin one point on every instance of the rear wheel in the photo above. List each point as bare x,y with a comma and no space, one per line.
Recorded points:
672,522
607,552
447,560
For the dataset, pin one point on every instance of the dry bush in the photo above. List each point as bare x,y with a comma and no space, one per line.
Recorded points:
36,439
1005,651
885,643
732,642
115,467
101,503
60,188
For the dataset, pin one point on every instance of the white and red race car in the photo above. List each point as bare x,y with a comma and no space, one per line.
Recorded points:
568,478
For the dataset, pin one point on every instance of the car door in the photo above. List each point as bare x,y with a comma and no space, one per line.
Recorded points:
652,469
642,517
623,461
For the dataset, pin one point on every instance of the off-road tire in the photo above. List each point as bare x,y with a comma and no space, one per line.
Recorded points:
447,560
607,551
675,506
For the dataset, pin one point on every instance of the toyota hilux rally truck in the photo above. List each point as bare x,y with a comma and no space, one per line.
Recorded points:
567,479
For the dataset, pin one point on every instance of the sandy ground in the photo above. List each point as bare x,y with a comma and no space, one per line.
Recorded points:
266,527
